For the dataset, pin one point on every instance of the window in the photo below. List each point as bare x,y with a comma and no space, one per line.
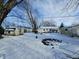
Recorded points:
50,29
43,29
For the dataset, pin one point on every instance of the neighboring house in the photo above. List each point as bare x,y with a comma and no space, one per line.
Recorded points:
27,29
21,30
71,30
14,31
48,29
74,29
48,26
64,30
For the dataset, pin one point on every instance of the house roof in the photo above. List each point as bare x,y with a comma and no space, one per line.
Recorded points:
9,29
72,26
50,27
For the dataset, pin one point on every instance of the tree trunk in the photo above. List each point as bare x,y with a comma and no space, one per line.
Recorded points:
6,9
31,18
1,5
4,12
34,29
1,1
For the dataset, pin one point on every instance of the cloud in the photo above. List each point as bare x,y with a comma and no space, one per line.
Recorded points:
56,8
43,9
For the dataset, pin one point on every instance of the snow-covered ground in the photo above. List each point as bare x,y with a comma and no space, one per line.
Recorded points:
28,47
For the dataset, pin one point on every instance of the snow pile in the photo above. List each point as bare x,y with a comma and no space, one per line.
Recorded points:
28,47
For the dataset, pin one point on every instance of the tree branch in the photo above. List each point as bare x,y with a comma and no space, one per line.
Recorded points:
7,8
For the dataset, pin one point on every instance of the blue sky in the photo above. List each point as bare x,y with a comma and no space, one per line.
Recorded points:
51,10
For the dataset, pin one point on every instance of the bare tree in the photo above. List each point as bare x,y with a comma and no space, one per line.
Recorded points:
5,9
48,23
32,20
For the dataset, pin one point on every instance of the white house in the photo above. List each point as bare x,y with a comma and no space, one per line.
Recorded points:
48,26
71,30
48,29
74,29
27,29
14,31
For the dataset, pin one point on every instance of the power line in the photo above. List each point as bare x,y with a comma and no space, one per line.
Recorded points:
71,4
62,16
66,7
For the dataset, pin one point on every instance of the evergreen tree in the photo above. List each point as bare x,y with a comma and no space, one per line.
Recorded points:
62,25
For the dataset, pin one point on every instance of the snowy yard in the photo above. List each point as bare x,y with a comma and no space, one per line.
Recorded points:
28,47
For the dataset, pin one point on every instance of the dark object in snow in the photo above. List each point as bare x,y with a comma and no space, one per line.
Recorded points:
36,37
45,41
1,31
52,47
49,41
